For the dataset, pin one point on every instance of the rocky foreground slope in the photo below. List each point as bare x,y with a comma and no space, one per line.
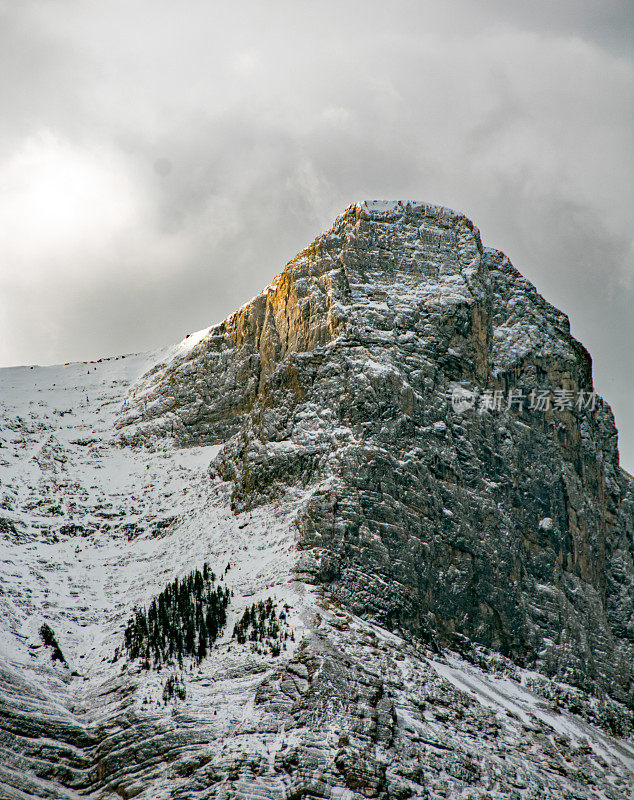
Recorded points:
398,443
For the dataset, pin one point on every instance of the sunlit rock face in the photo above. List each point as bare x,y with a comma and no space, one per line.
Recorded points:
508,527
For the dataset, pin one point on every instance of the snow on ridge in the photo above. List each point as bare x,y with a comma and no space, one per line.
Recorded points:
398,206
192,339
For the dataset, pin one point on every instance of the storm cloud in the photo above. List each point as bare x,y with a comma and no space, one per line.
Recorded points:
161,162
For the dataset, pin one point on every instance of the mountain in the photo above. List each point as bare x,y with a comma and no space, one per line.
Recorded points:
395,466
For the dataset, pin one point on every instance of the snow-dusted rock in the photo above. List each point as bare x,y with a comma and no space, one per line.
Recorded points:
337,378
457,579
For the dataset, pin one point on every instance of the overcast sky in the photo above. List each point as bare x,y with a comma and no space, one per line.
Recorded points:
160,162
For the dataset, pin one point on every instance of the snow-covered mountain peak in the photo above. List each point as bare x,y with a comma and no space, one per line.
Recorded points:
428,597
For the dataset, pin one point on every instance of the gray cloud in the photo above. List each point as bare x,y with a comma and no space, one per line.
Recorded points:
157,169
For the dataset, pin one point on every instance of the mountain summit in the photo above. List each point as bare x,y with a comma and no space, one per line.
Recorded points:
506,524
394,465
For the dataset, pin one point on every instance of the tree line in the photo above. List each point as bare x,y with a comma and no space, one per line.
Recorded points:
184,620
261,623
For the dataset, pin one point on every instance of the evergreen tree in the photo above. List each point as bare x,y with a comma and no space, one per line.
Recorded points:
183,620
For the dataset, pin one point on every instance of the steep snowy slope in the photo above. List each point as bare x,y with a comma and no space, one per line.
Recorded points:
90,530
101,509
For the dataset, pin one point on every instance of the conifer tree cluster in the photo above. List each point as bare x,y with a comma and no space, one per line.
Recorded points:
48,637
174,687
184,620
261,624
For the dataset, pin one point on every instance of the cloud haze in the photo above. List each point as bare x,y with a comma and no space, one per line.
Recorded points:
159,164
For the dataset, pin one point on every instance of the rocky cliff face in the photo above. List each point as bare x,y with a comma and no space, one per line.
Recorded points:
455,571
508,527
